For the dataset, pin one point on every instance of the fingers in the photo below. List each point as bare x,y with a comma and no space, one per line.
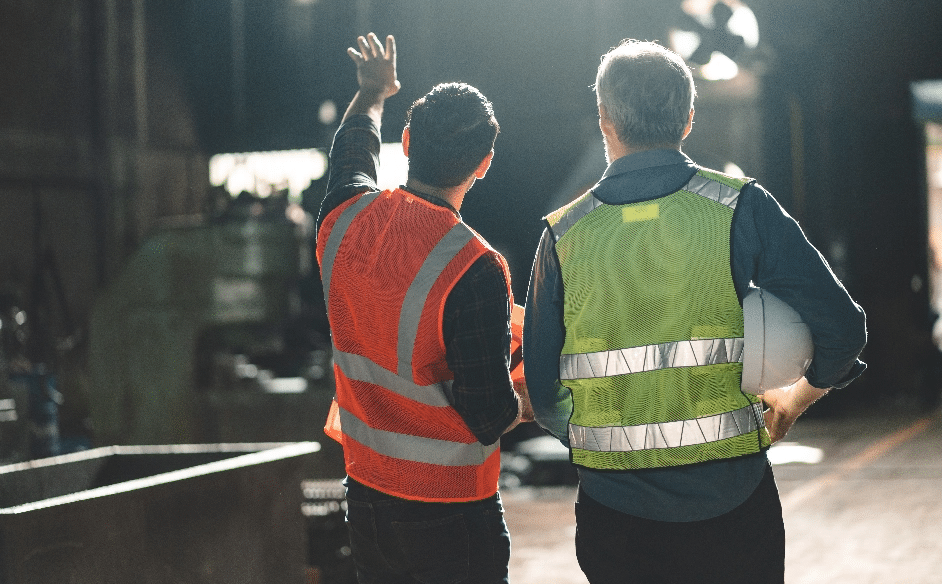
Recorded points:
391,48
370,48
367,46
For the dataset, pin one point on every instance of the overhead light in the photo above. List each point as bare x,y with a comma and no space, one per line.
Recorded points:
717,35
719,68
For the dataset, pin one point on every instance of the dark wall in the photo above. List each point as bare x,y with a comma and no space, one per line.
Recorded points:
845,70
256,71
840,150
535,63
49,217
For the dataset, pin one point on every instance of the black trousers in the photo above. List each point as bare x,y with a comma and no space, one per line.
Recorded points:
746,545
395,541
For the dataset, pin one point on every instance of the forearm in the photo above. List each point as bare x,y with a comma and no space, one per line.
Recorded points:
354,160
367,102
785,405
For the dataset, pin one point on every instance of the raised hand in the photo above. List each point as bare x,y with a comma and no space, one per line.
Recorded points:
376,65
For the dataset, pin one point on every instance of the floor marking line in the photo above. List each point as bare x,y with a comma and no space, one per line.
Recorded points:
865,458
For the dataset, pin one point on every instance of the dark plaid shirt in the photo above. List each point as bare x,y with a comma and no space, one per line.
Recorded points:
476,326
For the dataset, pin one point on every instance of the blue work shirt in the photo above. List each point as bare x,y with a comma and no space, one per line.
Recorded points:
767,249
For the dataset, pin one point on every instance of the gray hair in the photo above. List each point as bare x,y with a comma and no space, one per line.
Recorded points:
647,91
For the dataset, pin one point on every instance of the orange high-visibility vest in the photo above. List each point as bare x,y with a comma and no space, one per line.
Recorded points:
388,262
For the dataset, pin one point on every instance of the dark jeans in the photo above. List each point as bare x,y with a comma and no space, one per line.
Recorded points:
746,545
395,541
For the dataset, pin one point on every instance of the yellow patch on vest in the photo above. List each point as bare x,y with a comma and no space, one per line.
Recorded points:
640,212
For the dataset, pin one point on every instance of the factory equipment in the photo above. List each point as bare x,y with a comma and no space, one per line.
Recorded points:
205,337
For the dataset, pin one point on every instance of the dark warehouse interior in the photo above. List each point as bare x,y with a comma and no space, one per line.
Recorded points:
149,305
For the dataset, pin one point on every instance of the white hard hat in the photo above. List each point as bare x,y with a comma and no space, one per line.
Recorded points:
777,344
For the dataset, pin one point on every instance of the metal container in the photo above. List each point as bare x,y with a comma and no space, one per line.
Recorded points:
156,514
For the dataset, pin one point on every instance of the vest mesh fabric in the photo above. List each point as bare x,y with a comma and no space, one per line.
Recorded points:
381,255
644,274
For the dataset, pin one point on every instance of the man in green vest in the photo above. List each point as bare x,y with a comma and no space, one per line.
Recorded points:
633,343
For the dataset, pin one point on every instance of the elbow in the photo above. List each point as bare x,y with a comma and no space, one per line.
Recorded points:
845,331
857,333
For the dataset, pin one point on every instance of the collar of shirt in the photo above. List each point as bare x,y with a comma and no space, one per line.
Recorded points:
432,199
644,175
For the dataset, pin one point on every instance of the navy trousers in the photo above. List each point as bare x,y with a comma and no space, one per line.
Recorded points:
396,541
744,546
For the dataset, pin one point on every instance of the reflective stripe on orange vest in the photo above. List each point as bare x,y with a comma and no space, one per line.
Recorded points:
359,368
333,242
443,252
414,448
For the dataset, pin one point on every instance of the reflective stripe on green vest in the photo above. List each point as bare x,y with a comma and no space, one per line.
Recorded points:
651,357
654,330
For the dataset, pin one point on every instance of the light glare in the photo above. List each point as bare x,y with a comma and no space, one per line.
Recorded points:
789,452
393,166
261,173
720,68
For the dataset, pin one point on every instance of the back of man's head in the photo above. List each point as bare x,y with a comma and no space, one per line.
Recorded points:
451,129
647,92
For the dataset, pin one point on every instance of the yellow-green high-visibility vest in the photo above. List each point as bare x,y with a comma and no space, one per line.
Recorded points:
654,330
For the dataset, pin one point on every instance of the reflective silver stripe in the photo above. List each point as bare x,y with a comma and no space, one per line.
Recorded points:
438,259
667,434
336,236
415,448
650,358
713,190
578,211
360,368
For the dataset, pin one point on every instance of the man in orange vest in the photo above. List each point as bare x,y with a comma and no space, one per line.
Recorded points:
420,314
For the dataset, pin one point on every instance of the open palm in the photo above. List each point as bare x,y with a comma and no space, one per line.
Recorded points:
376,65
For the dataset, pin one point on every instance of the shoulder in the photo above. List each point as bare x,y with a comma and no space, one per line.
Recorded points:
488,267
338,199
760,205
485,277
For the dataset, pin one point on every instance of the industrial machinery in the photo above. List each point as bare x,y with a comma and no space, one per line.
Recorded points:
207,337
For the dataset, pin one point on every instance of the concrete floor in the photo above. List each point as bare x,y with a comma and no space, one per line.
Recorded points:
861,497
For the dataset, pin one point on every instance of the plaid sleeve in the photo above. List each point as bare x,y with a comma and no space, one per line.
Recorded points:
354,159
476,329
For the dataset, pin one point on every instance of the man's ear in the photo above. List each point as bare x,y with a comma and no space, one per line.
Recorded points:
405,141
689,125
481,170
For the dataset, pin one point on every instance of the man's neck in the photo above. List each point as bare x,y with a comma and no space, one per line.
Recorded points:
454,196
